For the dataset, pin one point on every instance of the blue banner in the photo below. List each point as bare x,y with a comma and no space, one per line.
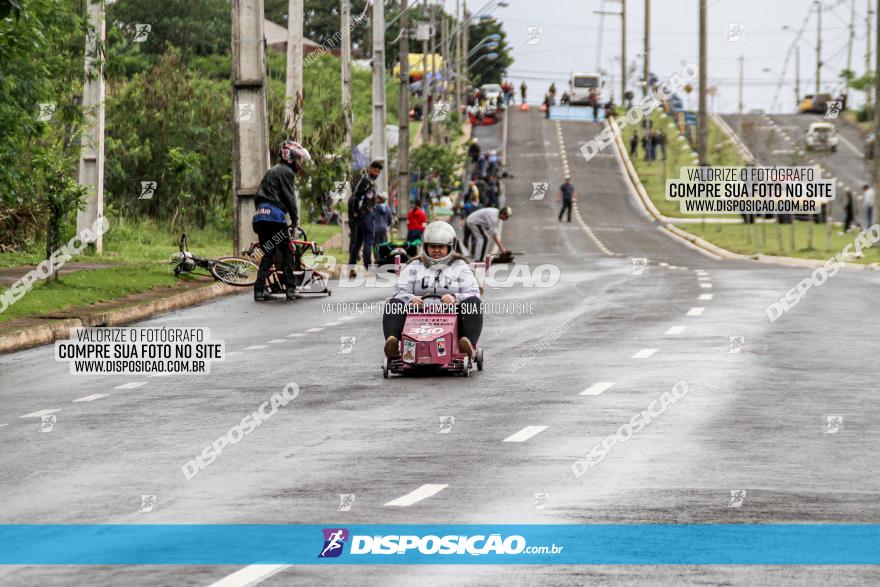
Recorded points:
599,544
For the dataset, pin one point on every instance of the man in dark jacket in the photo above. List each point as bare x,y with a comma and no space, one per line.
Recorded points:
362,215
275,197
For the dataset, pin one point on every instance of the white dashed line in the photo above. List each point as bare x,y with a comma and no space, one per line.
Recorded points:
664,264
644,354
250,575
314,330
132,385
277,341
695,311
675,330
597,388
701,272
703,278
332,324
295,334
525,434
255,347
423,492
346,318
706,297
91,398
706,285
40,414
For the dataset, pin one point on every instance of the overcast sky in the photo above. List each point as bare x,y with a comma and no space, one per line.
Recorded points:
571,32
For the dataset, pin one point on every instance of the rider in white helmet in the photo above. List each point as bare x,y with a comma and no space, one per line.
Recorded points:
438,270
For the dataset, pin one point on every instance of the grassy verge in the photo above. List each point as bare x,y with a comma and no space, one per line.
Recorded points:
140,252
653,174
776,239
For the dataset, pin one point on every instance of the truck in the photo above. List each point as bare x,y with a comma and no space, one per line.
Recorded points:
581,84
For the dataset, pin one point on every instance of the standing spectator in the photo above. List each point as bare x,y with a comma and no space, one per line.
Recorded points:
522,90
655,142
492,163
849,211
473,192
868,195
546,105
596,106
384,220
361,215
634,144
566,194
553,93
646,144
416,221
661,141
481,165
609,108
492,192
474,151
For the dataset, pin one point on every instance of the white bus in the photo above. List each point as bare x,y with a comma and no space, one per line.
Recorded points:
581,84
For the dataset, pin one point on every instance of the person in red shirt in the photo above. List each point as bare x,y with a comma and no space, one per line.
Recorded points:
417,220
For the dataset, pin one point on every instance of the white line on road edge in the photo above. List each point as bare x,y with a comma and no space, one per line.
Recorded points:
695,311
250,575
423,492
40,414
255,347
91,398
705,297
597,388
525,434
332,324
314,330
295,334
644,354
132,385
277,340
675,330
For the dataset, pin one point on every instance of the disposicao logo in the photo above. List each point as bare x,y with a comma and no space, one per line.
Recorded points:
334,540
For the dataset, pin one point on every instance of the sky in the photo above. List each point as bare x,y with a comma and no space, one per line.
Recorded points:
571,33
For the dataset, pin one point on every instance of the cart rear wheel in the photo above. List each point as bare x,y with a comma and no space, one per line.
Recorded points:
479,359
385,368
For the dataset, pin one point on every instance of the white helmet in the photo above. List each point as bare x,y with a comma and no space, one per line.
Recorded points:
438,233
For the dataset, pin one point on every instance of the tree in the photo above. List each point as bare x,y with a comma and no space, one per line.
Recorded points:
487,71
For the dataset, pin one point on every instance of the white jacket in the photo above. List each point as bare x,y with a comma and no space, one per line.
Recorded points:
417,280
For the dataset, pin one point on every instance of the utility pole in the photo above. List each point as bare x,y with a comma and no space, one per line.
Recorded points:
91,159
868,63
403,118
379,151
426,120
432,81
852,36
875,169
797,76
250,130
701,114
458,38
647,58
345,18
444,55
741,60
818,46
294,88
622,49
466,41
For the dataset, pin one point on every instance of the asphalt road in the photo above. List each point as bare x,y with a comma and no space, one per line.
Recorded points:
779,139
753,420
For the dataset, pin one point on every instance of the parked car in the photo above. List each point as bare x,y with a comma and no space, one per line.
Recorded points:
491,92
820,136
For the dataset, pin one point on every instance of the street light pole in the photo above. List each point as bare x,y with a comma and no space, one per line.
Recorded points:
345,14
403,119
701,114
294,82
818,47
741,60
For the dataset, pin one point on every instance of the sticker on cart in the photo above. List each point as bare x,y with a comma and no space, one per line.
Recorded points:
409,351
424,330
441,347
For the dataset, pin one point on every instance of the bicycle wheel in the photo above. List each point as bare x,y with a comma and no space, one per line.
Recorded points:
235,271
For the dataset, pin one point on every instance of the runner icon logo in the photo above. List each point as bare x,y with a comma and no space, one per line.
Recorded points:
834,424
737,497
334,540
346,500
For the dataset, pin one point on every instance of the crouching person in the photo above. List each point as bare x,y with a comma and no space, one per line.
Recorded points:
438,271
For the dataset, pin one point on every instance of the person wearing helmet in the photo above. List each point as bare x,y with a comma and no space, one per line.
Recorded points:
483,225
438,270
275,197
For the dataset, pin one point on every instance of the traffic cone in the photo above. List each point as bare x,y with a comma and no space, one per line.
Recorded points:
543,108
523,107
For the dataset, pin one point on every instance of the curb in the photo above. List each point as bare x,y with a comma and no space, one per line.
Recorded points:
705,247
48,333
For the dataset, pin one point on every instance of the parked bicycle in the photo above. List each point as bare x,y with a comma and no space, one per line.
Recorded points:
307,278
229,270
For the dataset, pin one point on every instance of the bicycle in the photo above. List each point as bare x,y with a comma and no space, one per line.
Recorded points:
308,280
230,270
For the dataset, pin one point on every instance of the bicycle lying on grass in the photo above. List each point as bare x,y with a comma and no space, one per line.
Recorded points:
229,270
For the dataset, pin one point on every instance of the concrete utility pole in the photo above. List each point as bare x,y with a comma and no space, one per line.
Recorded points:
294,88
433,77
875,169
622,49
345,18
403,118
91,159
741,60
426,120
444,55
868,63
818,46
250,130
797,76
647,59
466,41
458,39
852,35
702,121
379,150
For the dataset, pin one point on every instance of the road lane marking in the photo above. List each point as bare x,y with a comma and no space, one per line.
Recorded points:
644,354
255,347
346,318
277,340
332,324
423,492
597,388
675,330
695,311
701,272
706,285
525,434
295,334
250,575
41,413
704,278
91,398
131,385
314,330
705,297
